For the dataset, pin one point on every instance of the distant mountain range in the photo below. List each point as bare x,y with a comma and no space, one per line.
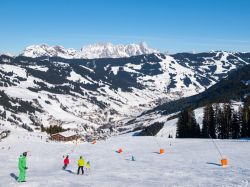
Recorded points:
101,50
96,95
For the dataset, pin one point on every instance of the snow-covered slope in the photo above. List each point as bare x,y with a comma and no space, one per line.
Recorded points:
169,121
99,95
189,162
231,89
105,50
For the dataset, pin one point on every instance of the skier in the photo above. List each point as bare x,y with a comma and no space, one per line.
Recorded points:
87,165
80,165
22,167
66,162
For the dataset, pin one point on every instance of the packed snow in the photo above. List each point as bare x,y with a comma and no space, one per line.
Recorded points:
186,162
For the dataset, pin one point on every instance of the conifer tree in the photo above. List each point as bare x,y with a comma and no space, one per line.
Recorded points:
227,110
220,124
211,125
204,130
193,127
208,126
187,126
235,126
245,121
181,125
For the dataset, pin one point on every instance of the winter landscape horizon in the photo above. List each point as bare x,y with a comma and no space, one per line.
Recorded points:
129,93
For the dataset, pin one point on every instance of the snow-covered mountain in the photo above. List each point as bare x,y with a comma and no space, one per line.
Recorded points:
109,50
50,51
99,95
105,50
234,89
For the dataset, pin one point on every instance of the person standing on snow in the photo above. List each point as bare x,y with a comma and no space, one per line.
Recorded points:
80,165
87,165
22,167
66,162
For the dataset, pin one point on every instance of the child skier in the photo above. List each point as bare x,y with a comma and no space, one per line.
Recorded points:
80,165
22,167
66,162
87,165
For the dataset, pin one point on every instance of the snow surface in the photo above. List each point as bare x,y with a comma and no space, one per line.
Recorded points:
187,162
76,77
15,69
40,68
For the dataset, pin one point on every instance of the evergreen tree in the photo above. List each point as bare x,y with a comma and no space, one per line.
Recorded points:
220,124
208,124
248,124
211,125
193,127
187,126
227,110
244,126
239,113
247,105
54,129
245,121
4,115
181,131
197,131
204,130
216,110
42,128
235,126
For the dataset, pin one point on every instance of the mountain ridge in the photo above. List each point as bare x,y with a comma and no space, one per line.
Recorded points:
99,50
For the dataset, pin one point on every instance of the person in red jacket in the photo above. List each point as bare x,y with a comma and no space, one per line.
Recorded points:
66,162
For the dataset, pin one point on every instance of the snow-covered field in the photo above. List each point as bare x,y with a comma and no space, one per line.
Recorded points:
187,162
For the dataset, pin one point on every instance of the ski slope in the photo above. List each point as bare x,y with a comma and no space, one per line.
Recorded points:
187,162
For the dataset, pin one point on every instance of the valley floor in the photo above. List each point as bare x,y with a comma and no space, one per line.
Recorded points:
187,162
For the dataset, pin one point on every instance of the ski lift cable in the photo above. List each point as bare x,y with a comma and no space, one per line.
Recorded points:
156,140
216,146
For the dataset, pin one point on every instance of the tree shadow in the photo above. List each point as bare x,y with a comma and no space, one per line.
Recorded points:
215,164
13,175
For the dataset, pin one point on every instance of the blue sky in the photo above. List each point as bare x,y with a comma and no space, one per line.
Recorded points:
167,25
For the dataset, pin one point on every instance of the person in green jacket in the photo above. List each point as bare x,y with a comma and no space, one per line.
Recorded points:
22,167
